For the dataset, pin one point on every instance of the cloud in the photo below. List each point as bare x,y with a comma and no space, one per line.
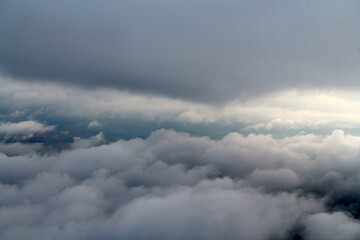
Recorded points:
274,179
213,210
188,50
94,124
18,148
332,226
88,142
24,130
289,110
194,187
283,66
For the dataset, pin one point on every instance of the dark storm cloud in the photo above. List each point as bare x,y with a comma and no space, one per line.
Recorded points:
195,50
175,186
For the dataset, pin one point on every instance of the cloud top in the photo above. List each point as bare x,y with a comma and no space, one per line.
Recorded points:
175,186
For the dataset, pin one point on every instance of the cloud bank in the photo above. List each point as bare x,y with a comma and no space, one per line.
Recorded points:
189,50
175,186
288,110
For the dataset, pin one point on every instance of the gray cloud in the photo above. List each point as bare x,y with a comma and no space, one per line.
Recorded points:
332,226
234,213
18,148
175,186
14,137
191,50
89,142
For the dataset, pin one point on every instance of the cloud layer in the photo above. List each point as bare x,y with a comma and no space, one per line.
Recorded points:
190,50
288,110
78,76
175,186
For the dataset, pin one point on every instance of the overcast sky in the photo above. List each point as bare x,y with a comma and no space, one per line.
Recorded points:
199,50
179,119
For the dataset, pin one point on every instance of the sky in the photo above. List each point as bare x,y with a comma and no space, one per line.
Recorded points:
180,119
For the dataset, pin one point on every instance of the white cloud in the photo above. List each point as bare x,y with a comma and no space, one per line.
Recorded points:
25,129
94,124
281,110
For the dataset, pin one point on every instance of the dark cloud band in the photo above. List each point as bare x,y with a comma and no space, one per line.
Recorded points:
191,50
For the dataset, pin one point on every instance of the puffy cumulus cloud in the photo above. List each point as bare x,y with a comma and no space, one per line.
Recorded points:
289,110
211,213
176,186
234,213
24,130
189,50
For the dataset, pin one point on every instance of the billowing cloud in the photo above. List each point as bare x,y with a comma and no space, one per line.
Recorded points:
175,186
17,148
204,50
332,226
78,76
